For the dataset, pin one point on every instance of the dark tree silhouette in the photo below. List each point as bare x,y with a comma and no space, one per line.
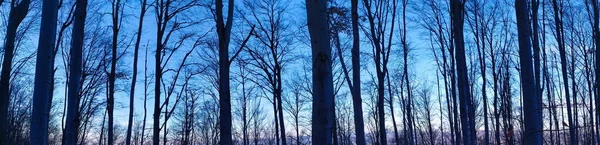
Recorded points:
322,107
531,102
72,122
44,77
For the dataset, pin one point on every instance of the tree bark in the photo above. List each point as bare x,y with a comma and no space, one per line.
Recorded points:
72,125
596,32
356,97
224,31
466,100
44,67
110,101
322,107
531,102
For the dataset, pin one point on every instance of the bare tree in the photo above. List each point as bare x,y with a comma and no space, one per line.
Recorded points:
531,102
44,66
166,12
71,131
558,15
466,100
409,91
322,108
224,35
377,14
296,104
135,70
355,89
18,11
272,53
116,26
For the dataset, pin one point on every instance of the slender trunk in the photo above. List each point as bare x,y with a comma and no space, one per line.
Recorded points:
536,48
244,112
391,103
411,130
44,67
322,109
72,122
102,129
437,78
157,75
335,126
134,73
356,97
145,94
157,81
563,63
574,92
279,103
479,32
457,126
296,122
275,119
596,32
110,101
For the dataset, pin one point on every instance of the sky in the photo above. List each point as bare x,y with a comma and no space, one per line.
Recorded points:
422,66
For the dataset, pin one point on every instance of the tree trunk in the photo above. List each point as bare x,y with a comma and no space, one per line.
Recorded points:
279,102
391,103
72,122
157,78
43,74
531,102
134,73
110,101
411,130
466,101
146,85
596,30
224,31
563,63
16,15
322,107
356,95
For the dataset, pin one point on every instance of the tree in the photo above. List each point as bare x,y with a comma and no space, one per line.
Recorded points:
596,29
322,108
224,33
272,52
531,102
405,50
377,15
247,92
168,21
355,89
135,70
110,104
479,27
558,13
71,130
467,117
43,78
297,103
18,11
